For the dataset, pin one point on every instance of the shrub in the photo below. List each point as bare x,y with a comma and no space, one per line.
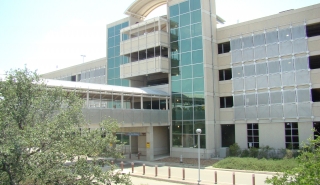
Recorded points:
264,152
245,153
256,164
234,150
253,152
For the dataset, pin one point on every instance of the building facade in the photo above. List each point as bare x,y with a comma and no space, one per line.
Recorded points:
255,83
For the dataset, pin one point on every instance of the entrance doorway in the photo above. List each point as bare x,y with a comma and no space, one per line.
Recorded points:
134,144
227,135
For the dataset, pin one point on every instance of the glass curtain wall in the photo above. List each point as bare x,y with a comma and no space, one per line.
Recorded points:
114,58
187,76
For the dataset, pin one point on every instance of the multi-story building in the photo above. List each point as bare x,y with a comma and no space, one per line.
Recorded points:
254,83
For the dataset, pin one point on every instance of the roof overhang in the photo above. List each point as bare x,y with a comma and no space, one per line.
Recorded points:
141,8
104,88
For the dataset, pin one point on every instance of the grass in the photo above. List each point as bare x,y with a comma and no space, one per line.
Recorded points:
273,165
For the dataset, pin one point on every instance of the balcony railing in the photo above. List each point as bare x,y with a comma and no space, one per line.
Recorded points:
145,67
128,117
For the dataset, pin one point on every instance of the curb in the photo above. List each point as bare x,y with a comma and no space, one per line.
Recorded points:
244,171
159,178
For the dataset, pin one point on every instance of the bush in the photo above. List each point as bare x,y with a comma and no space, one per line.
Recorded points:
264,152
245,153
253,152
256,164
307,170
234,150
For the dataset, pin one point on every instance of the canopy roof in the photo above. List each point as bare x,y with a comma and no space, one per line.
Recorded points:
101,87
141,8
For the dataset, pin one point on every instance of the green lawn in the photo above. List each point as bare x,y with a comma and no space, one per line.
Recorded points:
273,165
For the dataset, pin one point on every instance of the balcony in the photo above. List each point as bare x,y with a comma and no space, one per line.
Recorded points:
144,35
145,67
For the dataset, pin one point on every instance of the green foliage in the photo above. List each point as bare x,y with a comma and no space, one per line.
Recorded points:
234,150
40,137
253,152
308,170
264,152
256,164
245,153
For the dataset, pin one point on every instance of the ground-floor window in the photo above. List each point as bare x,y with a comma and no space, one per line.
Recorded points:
292,135
123,139
316,126
183,134
253,135
227,135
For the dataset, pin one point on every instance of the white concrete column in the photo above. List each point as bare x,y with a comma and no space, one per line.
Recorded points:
141,103
149,140
122,101
87,98
167,107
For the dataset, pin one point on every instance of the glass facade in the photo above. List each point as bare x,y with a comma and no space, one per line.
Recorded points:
114,59
187,75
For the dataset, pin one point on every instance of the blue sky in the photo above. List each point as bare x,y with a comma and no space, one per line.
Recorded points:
52,34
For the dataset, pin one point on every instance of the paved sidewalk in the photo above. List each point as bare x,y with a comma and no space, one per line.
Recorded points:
207,175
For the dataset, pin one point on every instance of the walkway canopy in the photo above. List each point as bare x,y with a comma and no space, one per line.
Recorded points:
106,88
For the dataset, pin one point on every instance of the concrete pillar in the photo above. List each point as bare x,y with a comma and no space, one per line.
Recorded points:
149,139
141,102
87,98
121,101
167,107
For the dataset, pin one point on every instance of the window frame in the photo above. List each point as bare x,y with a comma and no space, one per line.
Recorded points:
254,129
292,127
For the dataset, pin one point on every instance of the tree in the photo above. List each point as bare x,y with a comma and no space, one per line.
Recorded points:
308,171
43,133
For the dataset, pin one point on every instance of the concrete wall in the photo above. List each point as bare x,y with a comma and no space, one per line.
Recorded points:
142,145
272,134
160,140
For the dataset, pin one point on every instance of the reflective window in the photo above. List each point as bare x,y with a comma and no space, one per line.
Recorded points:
186,58
188,127
187,80
185,32
196,29
198,84
197,57
175,73
110,52
195,4
174,35
198,70
185,19
174,10
186,71
195,16
184,7
186,85
111,63
110,73
176,86
185,45
110,42
111,32
174,22
196,43
114,59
